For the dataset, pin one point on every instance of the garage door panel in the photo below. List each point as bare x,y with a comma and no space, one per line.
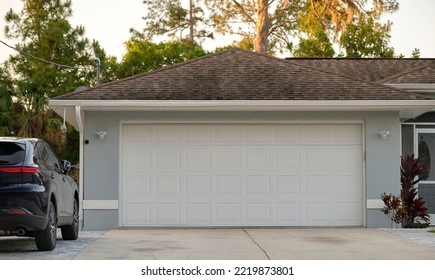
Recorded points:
198,134
137,134
137,186
258,157
228,185
167,213
317,158
228,158
288,185
168,185
241,174
288,134
198,157
317,185
288,158
198,185
137,159
316,134
317,212
257,133
198,213
288,213
347,184
137,213
257,185
228,134
168,158
347,134
347,159
346,212
257,213
167,134
228,213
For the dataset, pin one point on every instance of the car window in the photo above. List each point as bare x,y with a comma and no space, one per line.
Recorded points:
11,153
49,159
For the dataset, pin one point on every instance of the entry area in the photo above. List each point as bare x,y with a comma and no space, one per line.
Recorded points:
204,175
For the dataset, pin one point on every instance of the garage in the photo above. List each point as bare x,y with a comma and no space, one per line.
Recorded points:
241,174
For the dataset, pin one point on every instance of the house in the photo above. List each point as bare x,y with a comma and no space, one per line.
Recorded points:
243,139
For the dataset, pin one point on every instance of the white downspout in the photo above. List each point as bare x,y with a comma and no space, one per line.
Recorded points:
81,157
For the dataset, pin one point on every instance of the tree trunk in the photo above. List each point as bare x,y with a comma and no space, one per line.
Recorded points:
191,21
262,28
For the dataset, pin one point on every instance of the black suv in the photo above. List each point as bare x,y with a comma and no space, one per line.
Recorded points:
36,193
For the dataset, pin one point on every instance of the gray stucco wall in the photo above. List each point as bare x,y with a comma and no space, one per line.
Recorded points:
101,157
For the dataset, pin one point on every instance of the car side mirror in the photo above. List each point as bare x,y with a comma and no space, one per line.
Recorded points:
66,166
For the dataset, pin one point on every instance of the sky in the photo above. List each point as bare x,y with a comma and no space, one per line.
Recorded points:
109,21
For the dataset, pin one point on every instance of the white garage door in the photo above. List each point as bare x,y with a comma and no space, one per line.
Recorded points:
241,175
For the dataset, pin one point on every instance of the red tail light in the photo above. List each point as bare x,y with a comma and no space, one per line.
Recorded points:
20,169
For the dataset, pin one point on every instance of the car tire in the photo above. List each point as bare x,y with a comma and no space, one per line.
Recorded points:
71,232
46,239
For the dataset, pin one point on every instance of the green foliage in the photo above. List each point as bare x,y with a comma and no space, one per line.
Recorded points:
416,53
54,58
334,16
143,56
367,38
170,18
5,103
315,46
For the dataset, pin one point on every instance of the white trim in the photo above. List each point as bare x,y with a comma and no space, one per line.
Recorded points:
243,105
375,204
414,87
100,204
238,121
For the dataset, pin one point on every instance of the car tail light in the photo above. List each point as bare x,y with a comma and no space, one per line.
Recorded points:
20,169
15,211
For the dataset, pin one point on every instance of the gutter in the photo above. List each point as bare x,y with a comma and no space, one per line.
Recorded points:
81,160
243,105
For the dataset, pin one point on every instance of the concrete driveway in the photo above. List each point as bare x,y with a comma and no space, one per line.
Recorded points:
246,244
227,244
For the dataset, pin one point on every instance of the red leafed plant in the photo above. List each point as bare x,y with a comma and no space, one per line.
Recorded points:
409,209
392,208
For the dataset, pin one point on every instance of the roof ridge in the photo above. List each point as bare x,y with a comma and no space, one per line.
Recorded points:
164,68
359,80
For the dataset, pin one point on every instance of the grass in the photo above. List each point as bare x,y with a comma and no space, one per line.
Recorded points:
432,231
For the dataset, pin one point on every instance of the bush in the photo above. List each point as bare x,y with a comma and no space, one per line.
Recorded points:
408,209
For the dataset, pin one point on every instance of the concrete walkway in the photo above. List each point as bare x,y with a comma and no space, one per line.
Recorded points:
246,244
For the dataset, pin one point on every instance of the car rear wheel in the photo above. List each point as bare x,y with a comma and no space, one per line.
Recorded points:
46,239
71,232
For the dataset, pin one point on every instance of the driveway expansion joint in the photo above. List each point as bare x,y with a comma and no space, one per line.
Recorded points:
256,243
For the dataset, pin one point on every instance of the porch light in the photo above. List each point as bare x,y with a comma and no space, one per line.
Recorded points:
101,134
383,134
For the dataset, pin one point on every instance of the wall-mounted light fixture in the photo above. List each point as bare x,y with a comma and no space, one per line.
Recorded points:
63,128
101,134
383,134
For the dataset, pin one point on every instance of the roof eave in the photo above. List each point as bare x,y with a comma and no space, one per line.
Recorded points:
407,108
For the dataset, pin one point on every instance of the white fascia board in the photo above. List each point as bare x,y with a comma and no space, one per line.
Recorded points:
244,105
428,88
407,108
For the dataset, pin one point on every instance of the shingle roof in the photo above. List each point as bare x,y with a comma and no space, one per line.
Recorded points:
424,75
371,69
242,75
